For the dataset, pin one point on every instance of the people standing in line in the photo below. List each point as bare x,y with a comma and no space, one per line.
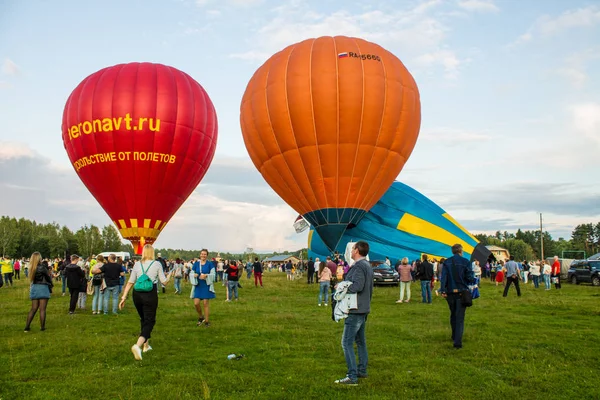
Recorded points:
257,268
204,291
425,274
39,291
145,302
97,278
534,271
74,275
457,274
404,270
233,276
82,297
324,283
112,272
361,276
310,271
555,273
512,276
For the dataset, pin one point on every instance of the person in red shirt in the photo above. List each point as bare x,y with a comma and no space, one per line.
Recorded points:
556,272
232,280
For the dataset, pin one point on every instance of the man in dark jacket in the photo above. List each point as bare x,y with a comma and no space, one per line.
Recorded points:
311,270
425,274
456,275
361,276
74,276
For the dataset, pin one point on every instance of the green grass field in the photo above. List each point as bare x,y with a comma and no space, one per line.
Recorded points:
543,345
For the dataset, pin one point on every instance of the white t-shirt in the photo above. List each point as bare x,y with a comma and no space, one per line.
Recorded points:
153,271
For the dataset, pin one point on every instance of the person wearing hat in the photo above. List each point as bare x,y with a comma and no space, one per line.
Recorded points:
74,276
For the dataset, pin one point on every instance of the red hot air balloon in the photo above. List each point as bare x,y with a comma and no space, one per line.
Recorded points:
329,123
140,136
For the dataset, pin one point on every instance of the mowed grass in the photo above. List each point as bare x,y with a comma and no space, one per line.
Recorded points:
543,345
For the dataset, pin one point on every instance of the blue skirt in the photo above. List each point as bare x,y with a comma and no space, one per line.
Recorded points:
201,291
39,291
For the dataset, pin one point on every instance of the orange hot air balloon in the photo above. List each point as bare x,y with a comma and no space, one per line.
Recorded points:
329,123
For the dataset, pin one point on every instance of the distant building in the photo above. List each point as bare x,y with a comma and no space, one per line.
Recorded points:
499,252
282,259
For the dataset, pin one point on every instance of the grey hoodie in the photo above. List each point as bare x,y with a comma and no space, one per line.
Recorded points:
361,276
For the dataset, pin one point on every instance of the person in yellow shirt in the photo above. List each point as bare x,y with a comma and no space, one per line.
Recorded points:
7,270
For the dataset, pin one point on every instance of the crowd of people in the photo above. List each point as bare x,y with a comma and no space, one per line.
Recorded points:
105,280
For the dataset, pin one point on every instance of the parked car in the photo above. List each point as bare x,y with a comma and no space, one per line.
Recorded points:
585,271
384,274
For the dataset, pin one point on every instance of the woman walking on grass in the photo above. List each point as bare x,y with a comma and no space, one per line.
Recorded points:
39,291
205,289
146,302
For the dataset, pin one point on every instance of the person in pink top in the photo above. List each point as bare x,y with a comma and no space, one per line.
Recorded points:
404,269
324,282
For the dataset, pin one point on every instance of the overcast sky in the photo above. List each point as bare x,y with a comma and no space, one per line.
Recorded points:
510,96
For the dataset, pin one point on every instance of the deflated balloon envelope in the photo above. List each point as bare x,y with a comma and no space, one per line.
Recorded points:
329,123
140,136
404,223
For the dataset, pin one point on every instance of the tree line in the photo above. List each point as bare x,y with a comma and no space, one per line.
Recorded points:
527,245
21,237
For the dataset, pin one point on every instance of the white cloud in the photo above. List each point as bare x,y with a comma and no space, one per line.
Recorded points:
547,25
235,3
9,67
445,58
452,136
231,208
586,120
478,5
11,150
413,34
575,67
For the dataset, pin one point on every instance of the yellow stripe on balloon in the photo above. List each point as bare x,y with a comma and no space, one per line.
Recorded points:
421,228
459,226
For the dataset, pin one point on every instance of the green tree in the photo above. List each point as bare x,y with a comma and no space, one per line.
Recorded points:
89,240
9,236
519,249
111,238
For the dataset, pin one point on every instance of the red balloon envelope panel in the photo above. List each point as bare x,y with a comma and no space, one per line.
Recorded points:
140,136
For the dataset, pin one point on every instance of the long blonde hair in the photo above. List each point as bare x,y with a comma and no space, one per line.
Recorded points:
147,253
34,260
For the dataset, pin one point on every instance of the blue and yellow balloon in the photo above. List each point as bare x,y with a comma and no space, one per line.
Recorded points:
404,223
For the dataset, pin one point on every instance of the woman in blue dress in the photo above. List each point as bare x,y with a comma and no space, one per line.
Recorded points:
204,271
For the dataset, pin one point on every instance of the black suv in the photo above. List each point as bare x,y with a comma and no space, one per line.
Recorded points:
585,271
384,274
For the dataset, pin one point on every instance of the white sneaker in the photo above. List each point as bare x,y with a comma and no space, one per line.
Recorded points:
325,304
146,348
137,352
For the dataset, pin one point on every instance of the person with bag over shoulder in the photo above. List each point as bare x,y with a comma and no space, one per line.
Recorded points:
144,279
457,274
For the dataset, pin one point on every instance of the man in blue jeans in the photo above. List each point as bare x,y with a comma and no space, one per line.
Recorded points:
361,276
456,275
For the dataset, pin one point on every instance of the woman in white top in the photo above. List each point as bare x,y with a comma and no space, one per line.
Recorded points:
534,271
145,303
546,270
